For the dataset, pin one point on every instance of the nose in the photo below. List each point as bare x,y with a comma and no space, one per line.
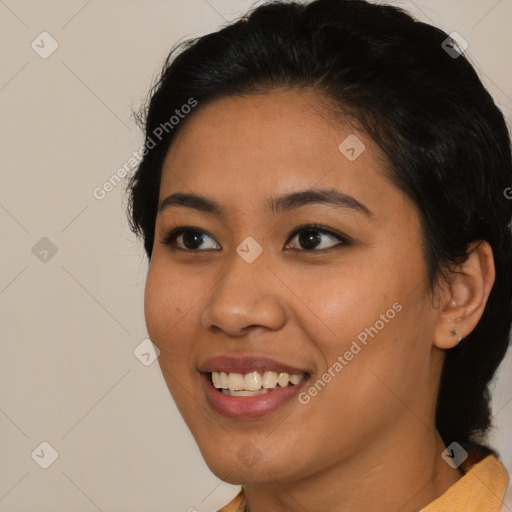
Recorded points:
248,296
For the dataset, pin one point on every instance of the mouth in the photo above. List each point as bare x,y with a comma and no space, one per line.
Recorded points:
250,386
251,395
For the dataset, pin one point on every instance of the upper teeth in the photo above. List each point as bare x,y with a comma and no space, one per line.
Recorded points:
253,381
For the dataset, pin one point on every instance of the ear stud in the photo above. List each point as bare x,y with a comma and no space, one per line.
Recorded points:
455,333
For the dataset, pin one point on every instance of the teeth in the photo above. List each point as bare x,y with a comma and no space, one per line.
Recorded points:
269,379
236,384
224,383
283,379
252,381
295,379
216,379
244,393
235,381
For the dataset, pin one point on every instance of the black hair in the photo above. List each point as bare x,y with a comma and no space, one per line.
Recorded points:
406,85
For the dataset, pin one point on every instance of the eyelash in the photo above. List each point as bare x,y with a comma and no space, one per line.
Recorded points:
170,238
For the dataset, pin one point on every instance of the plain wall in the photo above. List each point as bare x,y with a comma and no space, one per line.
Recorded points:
70,321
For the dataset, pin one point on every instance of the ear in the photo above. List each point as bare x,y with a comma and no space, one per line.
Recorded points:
464,296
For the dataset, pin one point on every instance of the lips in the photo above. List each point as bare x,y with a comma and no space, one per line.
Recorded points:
238,405
248,364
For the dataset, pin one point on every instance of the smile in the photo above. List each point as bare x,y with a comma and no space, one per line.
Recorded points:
245,387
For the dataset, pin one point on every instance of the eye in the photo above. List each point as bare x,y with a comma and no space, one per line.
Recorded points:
312,238
189,238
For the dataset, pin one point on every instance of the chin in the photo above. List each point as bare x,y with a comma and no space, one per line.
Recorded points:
247,465
235,473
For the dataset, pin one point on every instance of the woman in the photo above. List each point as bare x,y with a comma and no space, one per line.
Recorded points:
322,198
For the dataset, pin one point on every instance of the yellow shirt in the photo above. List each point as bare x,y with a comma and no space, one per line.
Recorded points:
481,489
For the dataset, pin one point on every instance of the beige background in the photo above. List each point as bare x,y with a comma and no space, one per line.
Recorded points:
69,325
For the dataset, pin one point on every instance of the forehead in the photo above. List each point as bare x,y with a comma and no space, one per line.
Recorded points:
242,150
255,124
282,134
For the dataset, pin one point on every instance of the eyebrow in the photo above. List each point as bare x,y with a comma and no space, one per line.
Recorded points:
331,197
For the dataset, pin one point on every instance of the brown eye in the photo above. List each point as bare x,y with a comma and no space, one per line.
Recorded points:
311,238
190,239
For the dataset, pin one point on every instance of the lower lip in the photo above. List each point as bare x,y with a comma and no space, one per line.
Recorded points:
248,406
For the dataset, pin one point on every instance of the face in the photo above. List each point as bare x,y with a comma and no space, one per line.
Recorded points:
300,257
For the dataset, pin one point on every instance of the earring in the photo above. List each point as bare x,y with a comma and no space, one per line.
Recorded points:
456,333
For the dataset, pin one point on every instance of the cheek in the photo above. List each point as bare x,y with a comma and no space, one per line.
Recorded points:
164,308
380,351
154,297
166,298
369,311
348,297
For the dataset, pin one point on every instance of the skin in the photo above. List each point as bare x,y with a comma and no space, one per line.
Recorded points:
368,436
